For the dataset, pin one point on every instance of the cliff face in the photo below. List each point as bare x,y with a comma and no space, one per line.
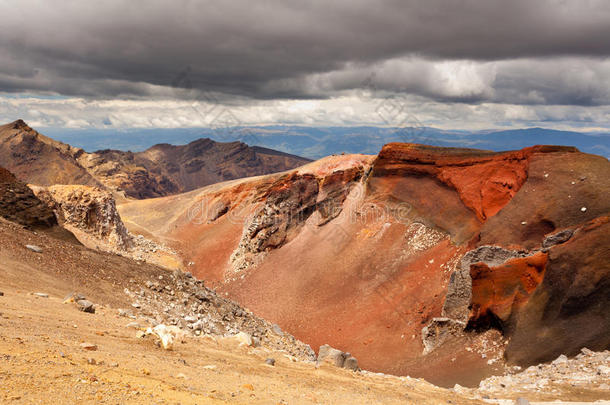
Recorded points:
88,211
161,170
362,252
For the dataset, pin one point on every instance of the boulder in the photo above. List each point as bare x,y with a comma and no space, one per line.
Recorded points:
85,306
337,358
243,339
351,363
328,354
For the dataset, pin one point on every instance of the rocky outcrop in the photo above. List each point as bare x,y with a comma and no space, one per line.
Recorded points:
19,204
90,210
90,213
499,292
458,302
286,206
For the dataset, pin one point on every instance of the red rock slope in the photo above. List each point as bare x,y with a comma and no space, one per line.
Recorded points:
363,252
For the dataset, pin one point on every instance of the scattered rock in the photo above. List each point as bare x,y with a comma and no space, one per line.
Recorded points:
270,361
438,331
91,361
243,338
276,328
167,334
34,248
123,312
603,370
337,358
85,306
88,346
560,360
41,295
134,325
587,352
73,297
1,294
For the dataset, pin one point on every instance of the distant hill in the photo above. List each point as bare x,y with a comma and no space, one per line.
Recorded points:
317,142
161,170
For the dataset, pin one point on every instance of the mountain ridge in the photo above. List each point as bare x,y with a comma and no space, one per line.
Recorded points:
160,170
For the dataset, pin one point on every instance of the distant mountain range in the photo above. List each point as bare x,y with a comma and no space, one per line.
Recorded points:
160,170
317,142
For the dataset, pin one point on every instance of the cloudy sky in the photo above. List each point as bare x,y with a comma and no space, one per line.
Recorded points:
184,63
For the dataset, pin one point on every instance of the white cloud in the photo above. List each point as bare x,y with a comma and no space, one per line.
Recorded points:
339,111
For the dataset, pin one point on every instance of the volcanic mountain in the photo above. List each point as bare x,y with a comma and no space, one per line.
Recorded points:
159,171
426,261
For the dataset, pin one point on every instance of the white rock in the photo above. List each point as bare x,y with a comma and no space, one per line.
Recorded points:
603,370
34,248
243,338
560,360
167,334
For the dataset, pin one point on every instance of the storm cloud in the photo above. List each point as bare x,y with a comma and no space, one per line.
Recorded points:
541,52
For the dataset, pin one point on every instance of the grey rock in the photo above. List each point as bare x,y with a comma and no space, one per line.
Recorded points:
328,354
270,362
560,360
351,363
124,312
276,328
85,306
439,330
75,297
587,352
331,355
557,238
41,295
34,248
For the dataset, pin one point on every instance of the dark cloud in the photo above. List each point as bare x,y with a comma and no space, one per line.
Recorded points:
296,49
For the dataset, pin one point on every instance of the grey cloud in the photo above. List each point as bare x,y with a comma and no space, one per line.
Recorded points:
282,49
